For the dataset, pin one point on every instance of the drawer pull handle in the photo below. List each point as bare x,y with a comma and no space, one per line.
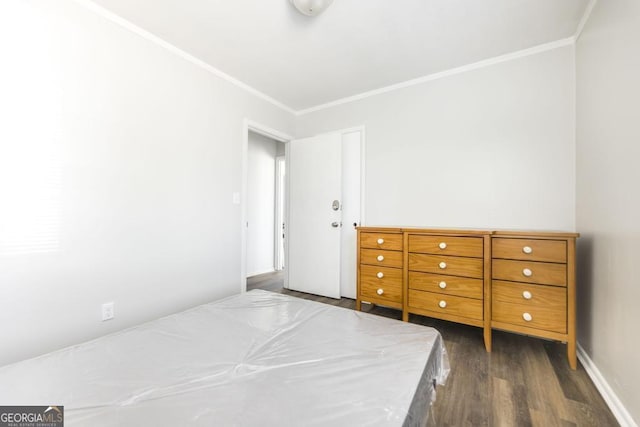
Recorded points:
442,304
526,295
442,245
442,284
527,250
380,275
442,265
380,258
527,272
380,291
527,317
380,241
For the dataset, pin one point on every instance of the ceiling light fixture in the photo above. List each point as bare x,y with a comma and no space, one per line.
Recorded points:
311,7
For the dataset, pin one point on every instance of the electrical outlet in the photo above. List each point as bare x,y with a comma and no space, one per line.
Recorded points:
107,311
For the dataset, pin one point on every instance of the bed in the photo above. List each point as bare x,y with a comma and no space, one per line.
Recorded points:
258,358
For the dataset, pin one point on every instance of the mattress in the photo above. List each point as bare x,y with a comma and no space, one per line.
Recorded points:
258,358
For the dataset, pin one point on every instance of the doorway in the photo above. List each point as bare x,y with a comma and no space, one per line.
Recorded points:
280,229
325,174
265,204
242,198
350,210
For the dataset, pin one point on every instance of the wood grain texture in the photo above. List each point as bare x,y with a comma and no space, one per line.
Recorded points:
487,293
550,257
552,235
543,273
537,318
571,303
390,283
450,265
358,273
530,249
439,304
388,258
446,245
524,381
546,308
450,285
389,241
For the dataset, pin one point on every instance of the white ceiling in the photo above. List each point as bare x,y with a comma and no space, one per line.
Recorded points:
355,46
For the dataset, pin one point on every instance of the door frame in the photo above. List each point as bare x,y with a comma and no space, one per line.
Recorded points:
250,125
280,213
362,220
363,138
247,126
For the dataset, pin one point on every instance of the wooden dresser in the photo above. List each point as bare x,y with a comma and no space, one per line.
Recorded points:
534,286
447,277
515,281
380,262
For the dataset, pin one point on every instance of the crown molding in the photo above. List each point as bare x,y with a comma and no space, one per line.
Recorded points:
442,74
585,17
118,20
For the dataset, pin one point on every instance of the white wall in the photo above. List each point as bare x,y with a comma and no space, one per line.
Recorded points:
607,206
493,147
118,160
261,182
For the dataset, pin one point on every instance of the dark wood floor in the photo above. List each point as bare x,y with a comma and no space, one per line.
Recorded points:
524,381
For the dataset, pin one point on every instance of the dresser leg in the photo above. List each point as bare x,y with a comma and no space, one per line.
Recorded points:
358,304
571,354
405,316
487,339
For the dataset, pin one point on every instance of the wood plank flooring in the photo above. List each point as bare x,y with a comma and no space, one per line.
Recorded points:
524,381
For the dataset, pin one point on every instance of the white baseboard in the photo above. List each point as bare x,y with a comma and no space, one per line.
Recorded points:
609,396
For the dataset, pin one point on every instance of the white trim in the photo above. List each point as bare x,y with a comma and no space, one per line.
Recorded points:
287,186
278,255
243,204
585,17
453,71
268,132
250,125
359,128
363,144
609,396
110,16
363,175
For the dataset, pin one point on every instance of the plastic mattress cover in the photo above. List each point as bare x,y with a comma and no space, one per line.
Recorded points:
254,359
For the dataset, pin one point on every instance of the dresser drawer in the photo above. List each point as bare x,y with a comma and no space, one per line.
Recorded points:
388,287
526,293
450,265
530,272
530,249
452,285
534,306
440,303
390,241
381,257
446,245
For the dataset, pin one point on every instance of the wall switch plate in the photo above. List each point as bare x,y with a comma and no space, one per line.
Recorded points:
107,311
236,198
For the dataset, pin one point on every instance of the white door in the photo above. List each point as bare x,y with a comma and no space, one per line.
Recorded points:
351,212
315,186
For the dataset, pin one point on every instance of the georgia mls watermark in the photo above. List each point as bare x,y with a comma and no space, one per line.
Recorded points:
31,416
